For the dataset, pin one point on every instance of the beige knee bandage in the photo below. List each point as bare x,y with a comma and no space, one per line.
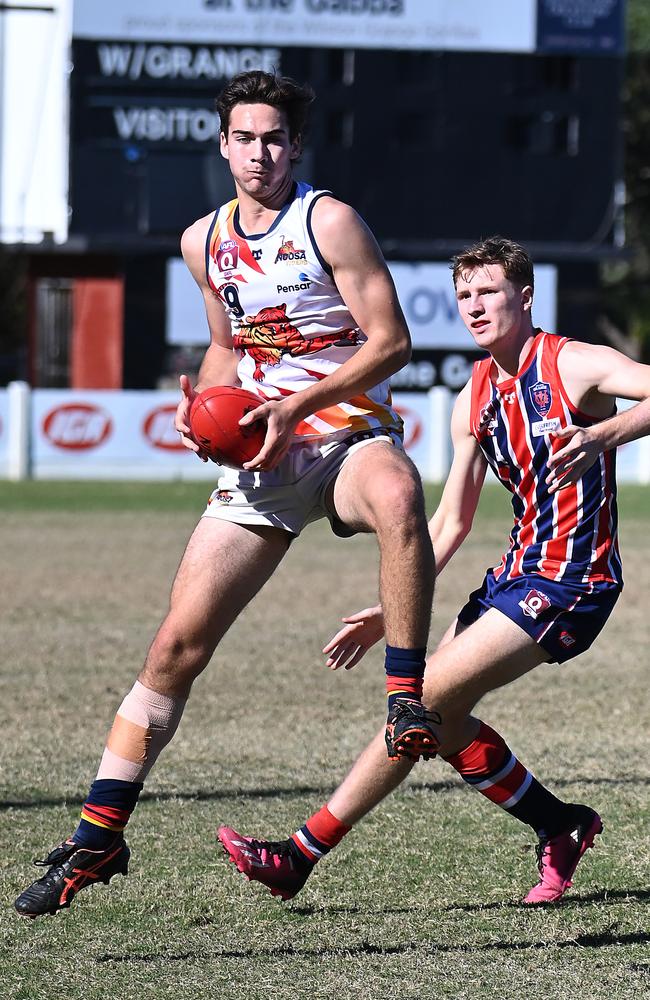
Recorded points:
144,725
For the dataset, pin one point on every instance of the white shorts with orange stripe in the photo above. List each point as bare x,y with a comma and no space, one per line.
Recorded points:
293,494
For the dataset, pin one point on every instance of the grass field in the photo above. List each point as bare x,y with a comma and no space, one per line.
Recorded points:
421,900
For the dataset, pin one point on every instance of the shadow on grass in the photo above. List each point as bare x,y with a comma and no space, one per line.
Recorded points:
436,787
605,939
602,896
193,796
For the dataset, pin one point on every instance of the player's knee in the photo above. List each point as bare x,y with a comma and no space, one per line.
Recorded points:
399,506
176,654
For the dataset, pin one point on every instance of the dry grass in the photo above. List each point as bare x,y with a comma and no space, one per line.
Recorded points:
420,901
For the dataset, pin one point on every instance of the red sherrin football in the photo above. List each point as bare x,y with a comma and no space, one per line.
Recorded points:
214,419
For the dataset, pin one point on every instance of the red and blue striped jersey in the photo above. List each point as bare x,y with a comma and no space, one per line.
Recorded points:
568,535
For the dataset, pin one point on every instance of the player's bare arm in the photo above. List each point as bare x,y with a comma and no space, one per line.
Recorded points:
367,289
453,519
448,528
593,377
219,365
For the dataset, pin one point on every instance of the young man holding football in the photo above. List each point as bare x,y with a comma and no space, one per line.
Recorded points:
540,411
301,310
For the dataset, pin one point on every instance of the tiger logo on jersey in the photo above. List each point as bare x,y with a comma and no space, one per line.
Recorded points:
288,254
269,334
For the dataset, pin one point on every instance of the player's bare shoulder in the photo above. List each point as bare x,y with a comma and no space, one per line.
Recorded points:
193,246
339,229
583,369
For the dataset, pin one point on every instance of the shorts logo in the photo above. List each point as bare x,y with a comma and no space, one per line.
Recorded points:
541,397
222,496
227,257
288,254
566,639
534,604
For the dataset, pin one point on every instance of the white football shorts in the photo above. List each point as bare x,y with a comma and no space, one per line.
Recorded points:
293,494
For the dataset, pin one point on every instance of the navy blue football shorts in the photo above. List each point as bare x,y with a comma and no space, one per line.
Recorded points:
563,618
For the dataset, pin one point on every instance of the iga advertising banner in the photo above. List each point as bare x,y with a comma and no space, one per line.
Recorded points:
110,435
130,435
475,25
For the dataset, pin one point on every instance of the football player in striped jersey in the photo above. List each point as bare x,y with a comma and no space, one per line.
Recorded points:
540,411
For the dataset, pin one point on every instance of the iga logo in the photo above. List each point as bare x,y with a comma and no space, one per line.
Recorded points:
534,604
77,426
412,426
158,428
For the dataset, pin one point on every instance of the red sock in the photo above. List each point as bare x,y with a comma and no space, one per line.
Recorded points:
489,766
319,835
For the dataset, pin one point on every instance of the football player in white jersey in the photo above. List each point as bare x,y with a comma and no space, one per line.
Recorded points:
301,308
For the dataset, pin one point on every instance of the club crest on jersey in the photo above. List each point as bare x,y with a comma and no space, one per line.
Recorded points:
227,256
288,253
534,604
541,397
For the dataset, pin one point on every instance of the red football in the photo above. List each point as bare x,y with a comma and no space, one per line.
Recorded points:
214,419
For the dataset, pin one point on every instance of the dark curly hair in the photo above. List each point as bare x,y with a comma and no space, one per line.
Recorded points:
257,87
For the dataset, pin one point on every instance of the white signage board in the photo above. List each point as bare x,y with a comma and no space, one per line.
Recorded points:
632,459
34,135
130,435
415,409
186,319
475,25
110,435
426,293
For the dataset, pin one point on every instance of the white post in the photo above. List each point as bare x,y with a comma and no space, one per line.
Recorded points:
19,396
440,407
643,466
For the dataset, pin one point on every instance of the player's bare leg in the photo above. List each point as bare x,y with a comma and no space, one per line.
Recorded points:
379,490
223,567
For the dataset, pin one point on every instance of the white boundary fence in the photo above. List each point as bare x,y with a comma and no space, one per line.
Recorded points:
78,434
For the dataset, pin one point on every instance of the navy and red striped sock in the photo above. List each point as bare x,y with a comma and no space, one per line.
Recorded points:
489,766
318,836
106,812
404,673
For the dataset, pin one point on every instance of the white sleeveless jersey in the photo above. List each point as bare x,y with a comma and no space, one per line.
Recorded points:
290,325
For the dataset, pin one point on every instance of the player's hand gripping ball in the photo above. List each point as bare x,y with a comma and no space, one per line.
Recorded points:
214,420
